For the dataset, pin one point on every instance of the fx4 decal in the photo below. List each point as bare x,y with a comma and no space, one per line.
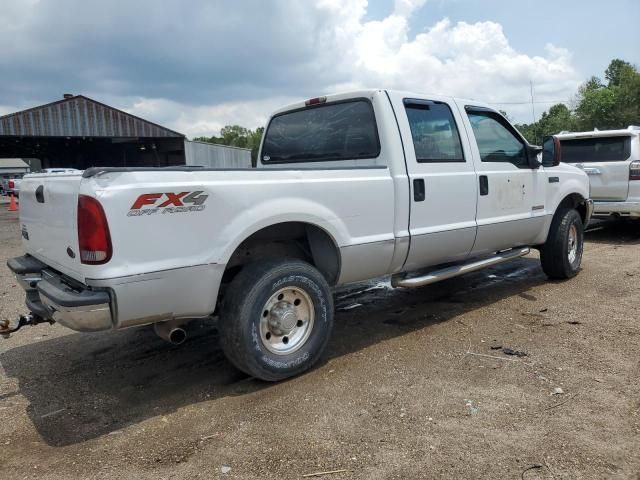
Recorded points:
168,202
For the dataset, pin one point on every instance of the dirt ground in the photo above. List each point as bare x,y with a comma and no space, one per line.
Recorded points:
414,386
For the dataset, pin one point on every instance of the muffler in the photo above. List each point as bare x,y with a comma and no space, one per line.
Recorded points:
171,331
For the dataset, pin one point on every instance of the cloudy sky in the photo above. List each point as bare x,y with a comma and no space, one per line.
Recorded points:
197,65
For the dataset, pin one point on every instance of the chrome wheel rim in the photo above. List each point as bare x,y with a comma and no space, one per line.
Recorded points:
572,244
286,320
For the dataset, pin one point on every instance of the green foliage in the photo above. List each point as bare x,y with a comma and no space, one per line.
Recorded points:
611,106
597,109
594,83
237,136
615,71
555,120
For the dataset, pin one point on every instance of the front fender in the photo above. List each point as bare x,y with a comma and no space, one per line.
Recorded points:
571,181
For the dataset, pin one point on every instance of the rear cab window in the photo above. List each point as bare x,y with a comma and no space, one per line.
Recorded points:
327,132
595,149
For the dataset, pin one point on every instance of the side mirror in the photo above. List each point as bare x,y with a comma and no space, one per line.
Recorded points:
532,156
551,151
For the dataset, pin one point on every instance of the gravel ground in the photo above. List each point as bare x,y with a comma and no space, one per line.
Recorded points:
416,384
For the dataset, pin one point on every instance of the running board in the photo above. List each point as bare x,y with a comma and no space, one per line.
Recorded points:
400,280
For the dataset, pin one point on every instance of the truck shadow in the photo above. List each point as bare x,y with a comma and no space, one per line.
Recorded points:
82,386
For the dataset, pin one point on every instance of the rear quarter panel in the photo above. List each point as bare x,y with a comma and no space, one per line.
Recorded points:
355,206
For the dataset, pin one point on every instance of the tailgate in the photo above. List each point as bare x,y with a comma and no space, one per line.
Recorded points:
48,206
609,180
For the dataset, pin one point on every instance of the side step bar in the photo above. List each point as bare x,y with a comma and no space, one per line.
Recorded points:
400,280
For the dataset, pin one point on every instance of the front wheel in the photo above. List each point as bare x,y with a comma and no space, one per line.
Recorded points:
561,255
276,318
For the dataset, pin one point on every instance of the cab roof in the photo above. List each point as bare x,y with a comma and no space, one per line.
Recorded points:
371,92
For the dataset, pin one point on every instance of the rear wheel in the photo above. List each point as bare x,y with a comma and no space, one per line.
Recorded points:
561,255
276,318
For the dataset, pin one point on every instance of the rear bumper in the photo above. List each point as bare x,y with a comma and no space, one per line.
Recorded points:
625,209
53,296
122,302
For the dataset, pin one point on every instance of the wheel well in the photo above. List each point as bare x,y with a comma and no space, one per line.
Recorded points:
289,239
575,200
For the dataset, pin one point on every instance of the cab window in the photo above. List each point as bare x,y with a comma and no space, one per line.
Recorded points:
434,131
496,142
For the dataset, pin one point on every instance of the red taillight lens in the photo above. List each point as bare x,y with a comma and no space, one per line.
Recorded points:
12,184
634,170
94,239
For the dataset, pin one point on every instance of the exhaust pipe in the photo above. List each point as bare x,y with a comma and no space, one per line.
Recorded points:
171,331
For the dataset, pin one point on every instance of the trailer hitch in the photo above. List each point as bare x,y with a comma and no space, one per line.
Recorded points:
30,319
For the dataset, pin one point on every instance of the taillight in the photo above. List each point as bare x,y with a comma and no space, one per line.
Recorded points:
634,170
12,184
94,239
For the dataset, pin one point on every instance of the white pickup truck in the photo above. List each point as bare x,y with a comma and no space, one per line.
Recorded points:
348,187
15,182
611,158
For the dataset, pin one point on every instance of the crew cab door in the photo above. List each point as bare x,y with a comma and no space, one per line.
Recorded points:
605,159
442,181
511,207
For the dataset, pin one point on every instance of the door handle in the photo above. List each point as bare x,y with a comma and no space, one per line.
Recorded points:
418,190
592,171
40,194
484,185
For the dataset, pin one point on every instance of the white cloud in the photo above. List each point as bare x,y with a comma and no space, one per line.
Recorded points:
206,120
462,59
200,68
405,8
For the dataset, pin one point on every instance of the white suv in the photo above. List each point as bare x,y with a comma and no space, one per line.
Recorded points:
611,158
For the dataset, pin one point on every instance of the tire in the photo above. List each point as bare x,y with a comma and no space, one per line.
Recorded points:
559,261
276,318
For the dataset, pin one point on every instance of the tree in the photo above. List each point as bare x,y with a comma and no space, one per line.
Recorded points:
593,83
597,110
611,106
553,121
557,119
237,136
615,71
628,97
616,105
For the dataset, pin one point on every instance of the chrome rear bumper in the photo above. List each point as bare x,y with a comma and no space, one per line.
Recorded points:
53,296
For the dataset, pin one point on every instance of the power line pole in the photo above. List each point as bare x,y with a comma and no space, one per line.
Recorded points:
533,113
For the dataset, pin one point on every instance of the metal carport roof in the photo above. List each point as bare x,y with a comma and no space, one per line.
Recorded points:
80,116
